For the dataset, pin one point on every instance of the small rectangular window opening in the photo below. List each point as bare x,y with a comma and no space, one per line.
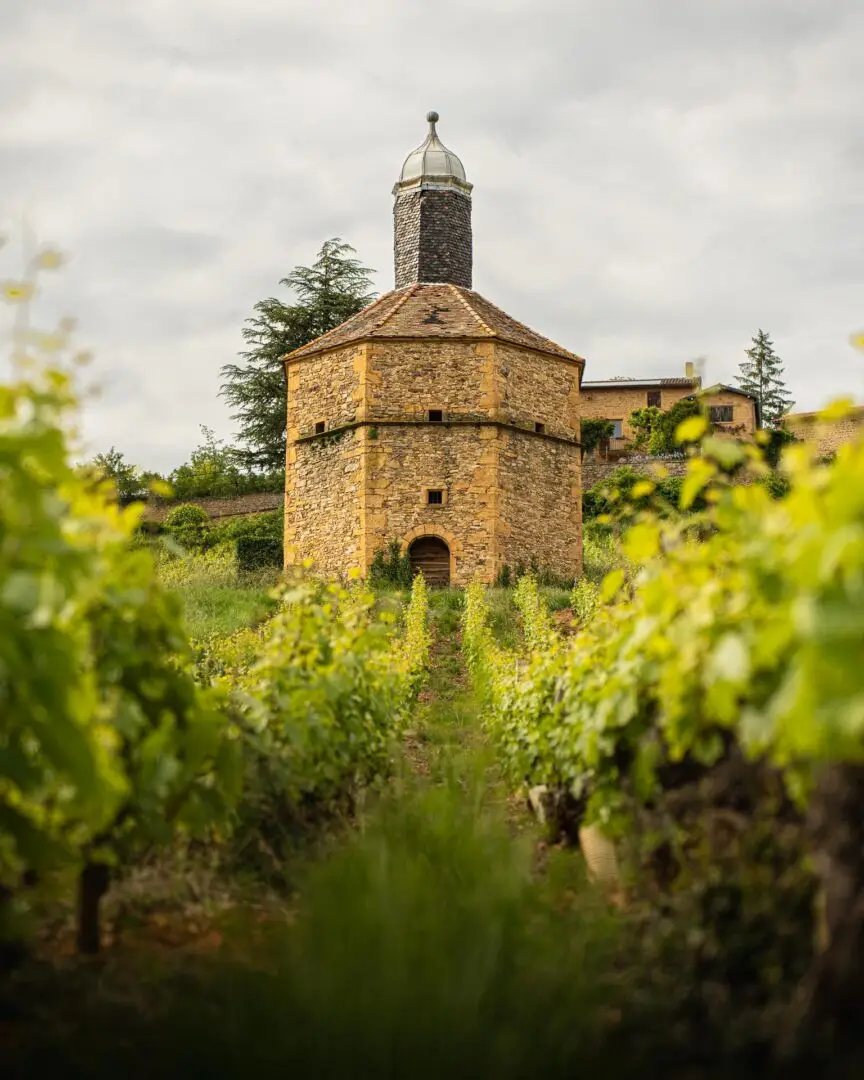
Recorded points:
436,415
320,427
617,429
435,497
539,428
721,414
654,398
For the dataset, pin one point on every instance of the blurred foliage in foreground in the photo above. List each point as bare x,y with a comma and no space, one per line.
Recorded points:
730,647
112,740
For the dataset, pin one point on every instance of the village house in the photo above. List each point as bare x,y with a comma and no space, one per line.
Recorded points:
731,410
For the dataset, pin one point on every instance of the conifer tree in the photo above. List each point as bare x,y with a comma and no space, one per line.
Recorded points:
761,375
335,287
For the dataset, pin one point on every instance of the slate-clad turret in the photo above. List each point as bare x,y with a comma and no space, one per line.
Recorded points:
432,216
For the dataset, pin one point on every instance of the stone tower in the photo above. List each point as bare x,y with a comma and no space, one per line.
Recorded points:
431,417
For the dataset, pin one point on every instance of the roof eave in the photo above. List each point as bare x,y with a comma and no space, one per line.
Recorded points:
373,338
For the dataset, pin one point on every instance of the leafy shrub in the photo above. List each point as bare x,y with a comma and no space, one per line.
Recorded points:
391,566
185,516
594,432
584,599
644,422
777,484
504,577
601,554
663,438
271,523
602,496
213,567
189,526
626,491
259,552
656,429
774,442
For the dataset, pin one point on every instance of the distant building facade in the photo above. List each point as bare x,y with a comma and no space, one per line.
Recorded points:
731,411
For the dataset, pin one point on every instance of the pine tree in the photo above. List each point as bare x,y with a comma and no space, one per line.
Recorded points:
335,287
761,375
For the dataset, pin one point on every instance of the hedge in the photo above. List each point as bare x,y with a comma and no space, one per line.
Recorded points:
256,552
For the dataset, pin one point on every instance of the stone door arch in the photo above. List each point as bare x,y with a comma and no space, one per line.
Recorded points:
431,555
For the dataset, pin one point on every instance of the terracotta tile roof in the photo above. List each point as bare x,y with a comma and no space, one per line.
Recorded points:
432,311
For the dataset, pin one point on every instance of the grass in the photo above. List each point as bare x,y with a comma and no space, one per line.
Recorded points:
218,597
222,609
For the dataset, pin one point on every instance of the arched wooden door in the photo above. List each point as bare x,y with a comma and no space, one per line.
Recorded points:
431,555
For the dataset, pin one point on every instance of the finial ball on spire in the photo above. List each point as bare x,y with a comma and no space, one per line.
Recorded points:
433,159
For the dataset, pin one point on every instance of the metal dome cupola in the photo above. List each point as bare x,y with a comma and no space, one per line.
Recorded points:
432,165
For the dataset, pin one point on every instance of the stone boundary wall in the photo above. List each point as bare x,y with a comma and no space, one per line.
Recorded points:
258,502
595,471
826,436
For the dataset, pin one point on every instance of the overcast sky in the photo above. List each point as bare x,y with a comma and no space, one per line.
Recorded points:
654,179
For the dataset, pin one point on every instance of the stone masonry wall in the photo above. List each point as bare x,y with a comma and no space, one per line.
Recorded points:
534,388
257,502
407,378
508,495
323,505
826,437
404,462
595,471
432,237
539,503
324,387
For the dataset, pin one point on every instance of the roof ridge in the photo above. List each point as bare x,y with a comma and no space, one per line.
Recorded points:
409,292
477,316
333,329
524,326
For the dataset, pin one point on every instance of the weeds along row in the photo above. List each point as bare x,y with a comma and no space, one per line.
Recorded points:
117,734
710,694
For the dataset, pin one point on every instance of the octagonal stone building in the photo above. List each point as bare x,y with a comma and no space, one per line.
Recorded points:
432,417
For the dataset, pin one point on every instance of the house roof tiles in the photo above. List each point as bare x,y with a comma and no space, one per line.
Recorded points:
432,310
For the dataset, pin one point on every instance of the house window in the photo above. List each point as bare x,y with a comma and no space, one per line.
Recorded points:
435,497
539,428
654,398
436,415
721,414
617,429
320,427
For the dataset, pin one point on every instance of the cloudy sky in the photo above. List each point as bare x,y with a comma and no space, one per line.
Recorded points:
654,179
